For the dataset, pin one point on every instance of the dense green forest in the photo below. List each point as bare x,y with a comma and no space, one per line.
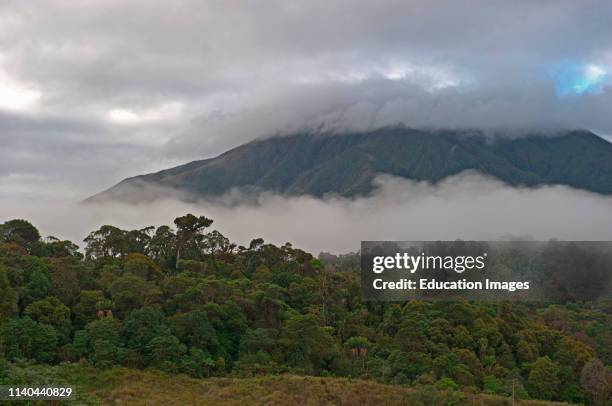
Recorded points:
186,300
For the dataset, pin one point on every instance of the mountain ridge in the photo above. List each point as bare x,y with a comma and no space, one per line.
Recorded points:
321,164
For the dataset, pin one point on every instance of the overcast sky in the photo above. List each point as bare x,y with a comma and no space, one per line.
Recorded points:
94,91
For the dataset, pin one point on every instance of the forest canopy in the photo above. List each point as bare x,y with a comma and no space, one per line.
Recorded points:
185,299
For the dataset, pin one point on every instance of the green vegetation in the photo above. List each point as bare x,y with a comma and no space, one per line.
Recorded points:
120,385
270,324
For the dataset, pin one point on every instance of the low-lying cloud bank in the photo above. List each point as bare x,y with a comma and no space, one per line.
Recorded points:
467,206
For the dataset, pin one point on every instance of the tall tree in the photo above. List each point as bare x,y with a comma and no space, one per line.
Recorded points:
20,232
189,230
162,247
107,241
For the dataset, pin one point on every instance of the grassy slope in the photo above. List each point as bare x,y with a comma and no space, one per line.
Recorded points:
135,387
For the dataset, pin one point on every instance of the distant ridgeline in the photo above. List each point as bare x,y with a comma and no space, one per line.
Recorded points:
346,165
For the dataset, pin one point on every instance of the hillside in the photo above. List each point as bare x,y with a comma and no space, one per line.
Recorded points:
345,165
188,302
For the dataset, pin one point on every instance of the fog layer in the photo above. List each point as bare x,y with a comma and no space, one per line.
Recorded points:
467,206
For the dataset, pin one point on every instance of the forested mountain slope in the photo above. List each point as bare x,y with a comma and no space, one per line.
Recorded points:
345,165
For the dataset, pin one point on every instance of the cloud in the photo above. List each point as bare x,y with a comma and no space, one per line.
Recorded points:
467,206
340,107
162,112
93,92
16,96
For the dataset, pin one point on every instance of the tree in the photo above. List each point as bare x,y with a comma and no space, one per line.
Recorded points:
446,384
527,347
112,242
229,323
471,370
462,338
142,266
216,243
67,278
256,340
543,382
20,232
141,327
104,354
37,281
358,347
104,329
137,241
305,343
446,364
165,352
8,297
189,230
197,363
358,343
56,248
50,311
100,341
574,354
130,293
440,331
490,384
412,333
594,380
194,329
25,338
409,365
162,247
85,310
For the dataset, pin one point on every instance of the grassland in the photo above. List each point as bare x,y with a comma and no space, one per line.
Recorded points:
122,386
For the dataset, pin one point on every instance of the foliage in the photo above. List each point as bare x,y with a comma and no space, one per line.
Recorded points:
120,385
188,301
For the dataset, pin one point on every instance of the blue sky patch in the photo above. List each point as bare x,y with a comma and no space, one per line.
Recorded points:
572,78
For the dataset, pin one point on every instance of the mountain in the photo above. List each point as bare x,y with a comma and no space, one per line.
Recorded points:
316,164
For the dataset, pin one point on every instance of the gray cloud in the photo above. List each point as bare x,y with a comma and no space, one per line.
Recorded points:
371,104
466,206
92,92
